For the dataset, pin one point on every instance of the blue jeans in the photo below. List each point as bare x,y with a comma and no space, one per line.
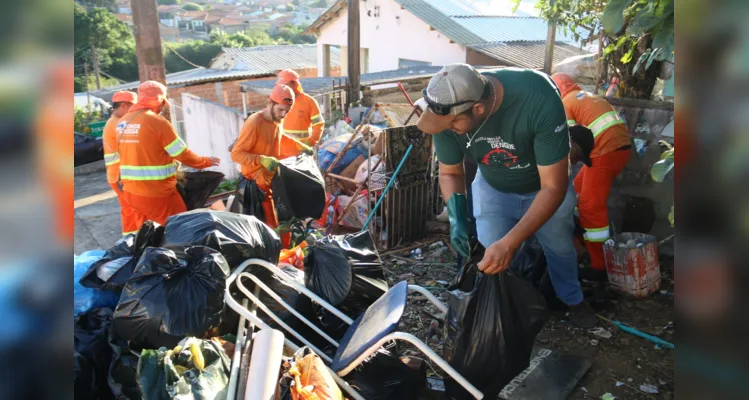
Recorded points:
497,212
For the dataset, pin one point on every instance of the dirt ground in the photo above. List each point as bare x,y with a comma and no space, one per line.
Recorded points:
621,363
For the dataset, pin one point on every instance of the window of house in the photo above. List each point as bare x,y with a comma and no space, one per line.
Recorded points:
406,63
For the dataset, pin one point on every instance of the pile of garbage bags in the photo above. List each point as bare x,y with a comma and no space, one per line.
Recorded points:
155,295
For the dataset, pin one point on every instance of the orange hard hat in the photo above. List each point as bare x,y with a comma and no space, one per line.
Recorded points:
282,94
290,78
151,94
565,83
125,96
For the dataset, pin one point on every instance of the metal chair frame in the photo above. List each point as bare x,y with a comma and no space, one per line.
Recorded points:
252,318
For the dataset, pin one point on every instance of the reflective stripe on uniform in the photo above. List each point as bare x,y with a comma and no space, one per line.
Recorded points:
297,134
127,233
176,147
150,173
604,122
571,122
316,120
111,158
597,234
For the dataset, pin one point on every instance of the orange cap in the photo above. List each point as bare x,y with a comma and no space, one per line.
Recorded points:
282,94
151,94
289,77
125,96
565,83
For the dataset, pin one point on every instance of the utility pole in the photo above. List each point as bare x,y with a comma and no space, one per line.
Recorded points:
551,37
354,52
88,94
95,60
148,41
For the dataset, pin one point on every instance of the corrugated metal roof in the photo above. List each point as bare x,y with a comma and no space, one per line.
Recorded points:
527,54
275,58
465,24
315,86
187,77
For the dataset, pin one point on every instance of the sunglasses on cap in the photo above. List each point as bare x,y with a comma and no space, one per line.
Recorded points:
442,109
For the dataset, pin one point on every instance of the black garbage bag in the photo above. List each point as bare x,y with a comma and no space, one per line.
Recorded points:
92,354
196,187
327,272
174,292
176,374
115,268
122,379
285,291
385,377
492,322
249,199
237,237
298,189
530,264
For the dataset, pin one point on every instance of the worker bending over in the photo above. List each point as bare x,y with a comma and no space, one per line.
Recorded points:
148,147
121,103
608,145
304,121
262,142
511,123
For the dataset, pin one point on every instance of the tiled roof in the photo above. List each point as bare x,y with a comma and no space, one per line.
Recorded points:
527,54
275,58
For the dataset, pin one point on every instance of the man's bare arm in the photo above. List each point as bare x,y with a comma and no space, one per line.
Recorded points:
554,181
452,180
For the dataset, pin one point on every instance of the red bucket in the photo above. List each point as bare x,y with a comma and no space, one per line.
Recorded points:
632,264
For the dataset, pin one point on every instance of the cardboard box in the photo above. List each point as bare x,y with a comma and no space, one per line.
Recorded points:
350,172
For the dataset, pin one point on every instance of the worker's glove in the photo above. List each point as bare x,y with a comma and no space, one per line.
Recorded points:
459,224
269,163
306,149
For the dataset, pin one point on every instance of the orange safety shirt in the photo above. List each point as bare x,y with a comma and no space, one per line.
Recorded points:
111,158
304,114
598,115
259,137
147,146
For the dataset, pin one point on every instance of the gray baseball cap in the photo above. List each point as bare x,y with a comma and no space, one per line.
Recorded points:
459,84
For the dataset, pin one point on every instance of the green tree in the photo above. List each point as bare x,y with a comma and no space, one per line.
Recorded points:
319,4
296,3
112,40
293,34
110,5
290,7
634,35
168,2
192,7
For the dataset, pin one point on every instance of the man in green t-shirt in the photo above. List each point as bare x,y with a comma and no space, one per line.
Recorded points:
512,123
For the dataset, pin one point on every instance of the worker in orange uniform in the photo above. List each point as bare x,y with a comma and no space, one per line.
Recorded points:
262,142
604,156
304,122
121,103
148,147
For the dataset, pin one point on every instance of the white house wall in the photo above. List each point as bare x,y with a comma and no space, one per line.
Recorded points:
209,130
395,34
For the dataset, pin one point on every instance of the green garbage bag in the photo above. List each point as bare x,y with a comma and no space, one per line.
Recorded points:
196,369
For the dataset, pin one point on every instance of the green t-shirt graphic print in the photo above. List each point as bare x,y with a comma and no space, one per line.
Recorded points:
529,129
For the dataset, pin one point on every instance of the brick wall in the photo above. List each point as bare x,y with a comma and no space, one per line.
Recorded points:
228,94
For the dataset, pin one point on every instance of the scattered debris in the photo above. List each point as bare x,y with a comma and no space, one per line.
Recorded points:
629,379
441,282
584,389
594,342
607,396
619,383
647,388
600,332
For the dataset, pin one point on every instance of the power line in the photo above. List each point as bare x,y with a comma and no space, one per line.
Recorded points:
183,58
